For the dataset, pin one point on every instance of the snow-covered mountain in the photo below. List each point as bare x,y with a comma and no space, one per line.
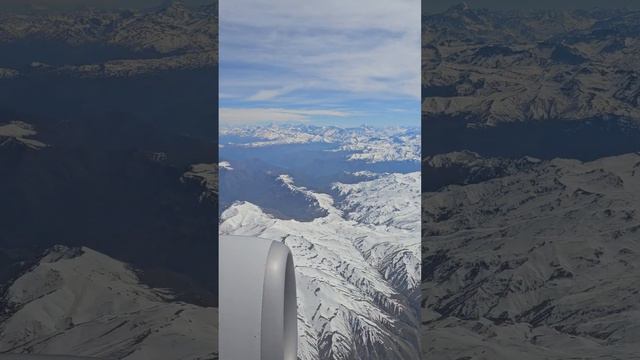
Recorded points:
491,67
357,267
76,301
538,262
364,143
390,200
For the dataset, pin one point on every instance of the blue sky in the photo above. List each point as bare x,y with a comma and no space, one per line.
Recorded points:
334,62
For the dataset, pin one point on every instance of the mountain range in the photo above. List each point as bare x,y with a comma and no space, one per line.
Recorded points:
109,43
108,122
366,143
491,67
530,166
357,266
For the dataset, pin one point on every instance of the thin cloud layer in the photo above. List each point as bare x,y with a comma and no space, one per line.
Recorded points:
250,116
305,53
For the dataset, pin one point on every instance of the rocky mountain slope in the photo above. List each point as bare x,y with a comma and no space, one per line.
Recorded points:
535,263
76,301
357,267
111,43
530,188
207,176
544,65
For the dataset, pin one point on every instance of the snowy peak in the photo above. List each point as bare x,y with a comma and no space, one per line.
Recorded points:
62,268
79,301
392,200
59,252
368,144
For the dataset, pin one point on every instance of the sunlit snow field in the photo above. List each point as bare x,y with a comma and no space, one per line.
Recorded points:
347,203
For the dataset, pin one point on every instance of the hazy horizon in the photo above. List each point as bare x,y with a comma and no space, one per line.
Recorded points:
437,6
71,5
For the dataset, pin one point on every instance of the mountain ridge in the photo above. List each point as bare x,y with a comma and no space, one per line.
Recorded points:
563,65
78,301
357,274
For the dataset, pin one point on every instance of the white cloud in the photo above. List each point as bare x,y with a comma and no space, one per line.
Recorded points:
363,48
247,116
269,94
